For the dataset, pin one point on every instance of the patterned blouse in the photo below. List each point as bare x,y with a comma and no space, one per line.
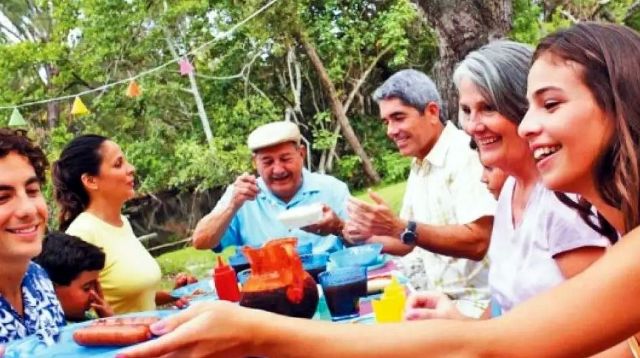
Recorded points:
43,314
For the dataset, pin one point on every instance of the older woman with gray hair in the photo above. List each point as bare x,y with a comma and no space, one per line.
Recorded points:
537,242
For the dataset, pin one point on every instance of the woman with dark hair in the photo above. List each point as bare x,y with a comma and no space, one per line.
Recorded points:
28,303
583,125
92,181
80,157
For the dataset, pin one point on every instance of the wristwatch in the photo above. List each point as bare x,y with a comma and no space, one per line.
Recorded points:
409,236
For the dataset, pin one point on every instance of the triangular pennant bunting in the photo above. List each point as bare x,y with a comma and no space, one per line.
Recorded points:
133,90
185,67
16,119
78,107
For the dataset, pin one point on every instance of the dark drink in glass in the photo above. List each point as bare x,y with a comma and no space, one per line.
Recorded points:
276,301
277,281
314,272
342,289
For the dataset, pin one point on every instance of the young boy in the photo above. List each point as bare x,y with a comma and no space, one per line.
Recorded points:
73,265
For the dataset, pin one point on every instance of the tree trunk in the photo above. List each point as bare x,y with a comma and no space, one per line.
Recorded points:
461,27
53,108
338,109
202,113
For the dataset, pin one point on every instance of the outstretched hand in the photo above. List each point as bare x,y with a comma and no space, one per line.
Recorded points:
366,220
207,329
182,302
183,279
431,305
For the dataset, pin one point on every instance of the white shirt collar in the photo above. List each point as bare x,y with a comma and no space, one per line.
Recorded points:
438,154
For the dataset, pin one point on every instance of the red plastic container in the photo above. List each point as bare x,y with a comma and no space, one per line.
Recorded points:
224,278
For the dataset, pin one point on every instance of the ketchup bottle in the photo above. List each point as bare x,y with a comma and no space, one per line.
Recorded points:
224,278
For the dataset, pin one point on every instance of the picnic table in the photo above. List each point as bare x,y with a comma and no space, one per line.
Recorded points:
67,348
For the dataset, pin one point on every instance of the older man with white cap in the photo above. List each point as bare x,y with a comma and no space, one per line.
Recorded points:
247,212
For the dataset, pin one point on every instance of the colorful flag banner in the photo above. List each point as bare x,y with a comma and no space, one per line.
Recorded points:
185,67
133,90
78,108
16,119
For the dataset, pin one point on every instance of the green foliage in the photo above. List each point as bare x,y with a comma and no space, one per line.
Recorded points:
244,80
394,165
324,139
632,18
205,166
526,27
530,23
392,194
349,170
556,22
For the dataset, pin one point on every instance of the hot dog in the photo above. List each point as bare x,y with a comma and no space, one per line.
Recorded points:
115,331
114,335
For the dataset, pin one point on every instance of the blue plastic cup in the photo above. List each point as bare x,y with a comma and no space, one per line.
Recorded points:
304,248
342,289
315,264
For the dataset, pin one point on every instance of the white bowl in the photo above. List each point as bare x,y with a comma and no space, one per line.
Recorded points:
301,216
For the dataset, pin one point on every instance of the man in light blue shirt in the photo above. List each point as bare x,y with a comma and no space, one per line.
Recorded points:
247,212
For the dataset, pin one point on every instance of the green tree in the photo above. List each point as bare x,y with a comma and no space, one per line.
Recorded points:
258,74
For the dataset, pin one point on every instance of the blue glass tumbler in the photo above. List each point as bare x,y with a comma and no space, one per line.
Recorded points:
342,289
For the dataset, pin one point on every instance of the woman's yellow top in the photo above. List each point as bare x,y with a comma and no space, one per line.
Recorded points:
634,347
131,275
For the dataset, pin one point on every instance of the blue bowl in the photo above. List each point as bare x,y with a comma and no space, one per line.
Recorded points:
315,264
305,248
363,255
314,260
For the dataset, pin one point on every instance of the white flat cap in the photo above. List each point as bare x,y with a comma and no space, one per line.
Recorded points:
273,133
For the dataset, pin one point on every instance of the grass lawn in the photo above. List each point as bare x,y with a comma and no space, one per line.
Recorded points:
199,262
392,194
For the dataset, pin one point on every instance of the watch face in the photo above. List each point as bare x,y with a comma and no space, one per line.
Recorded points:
408,237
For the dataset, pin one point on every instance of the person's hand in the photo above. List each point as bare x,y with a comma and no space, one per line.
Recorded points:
431,305
183,279
328,225
1,350
244,188
373,219
207,329
99,304
352,234
182,302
